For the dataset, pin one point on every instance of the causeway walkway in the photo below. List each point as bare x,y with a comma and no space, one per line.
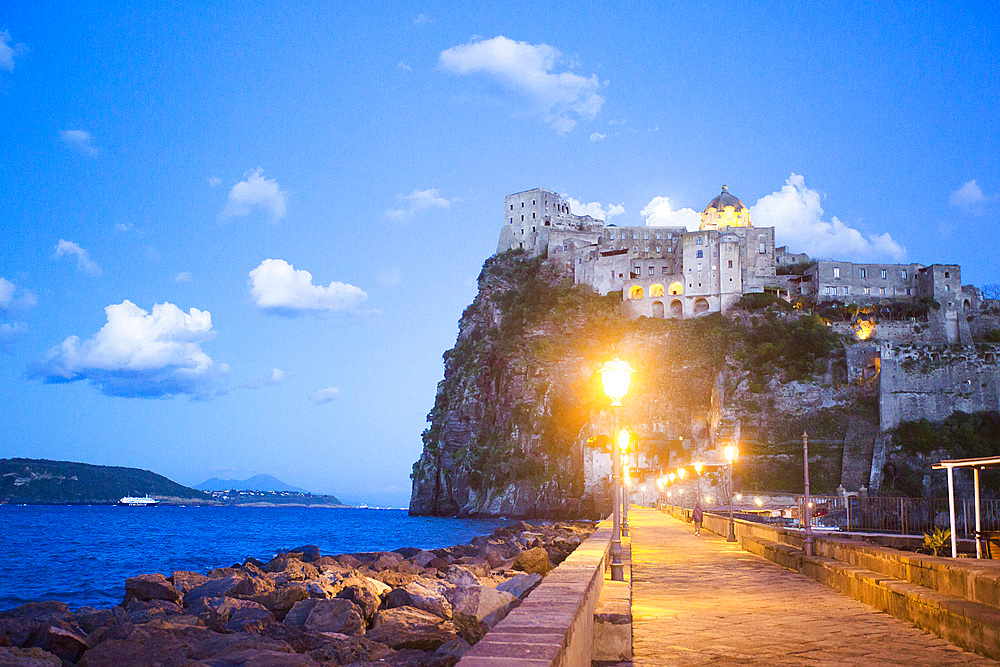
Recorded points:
702,600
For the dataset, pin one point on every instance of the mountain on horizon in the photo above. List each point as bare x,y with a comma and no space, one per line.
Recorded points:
255,483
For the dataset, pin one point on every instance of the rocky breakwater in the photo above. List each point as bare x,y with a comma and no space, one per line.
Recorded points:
403,607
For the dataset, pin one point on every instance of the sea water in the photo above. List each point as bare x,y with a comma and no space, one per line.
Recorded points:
82,555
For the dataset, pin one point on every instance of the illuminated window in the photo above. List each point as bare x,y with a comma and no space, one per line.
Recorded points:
699,241
730,264
836,272
864,273
904,274
881,291
882,274
700,254
656,289
635,292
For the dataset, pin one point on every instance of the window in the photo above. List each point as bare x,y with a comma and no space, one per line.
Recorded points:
947,275
904,274
664,270
512,219
762,249
699,241
657,235
612,274
847,289
634,236
651,269
882,275
868,290
522,217
730,264
864,273
947,288
647,249
659,249
909,292
670,248
522,204
512,207
635,249
532,215
700,254
699,266
836,272
881,291
532,202
646,237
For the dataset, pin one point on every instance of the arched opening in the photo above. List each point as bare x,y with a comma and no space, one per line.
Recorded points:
966,305
656,289
676,289
700,306
658,309
635,292
676,308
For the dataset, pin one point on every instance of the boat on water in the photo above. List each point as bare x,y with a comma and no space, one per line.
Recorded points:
134,501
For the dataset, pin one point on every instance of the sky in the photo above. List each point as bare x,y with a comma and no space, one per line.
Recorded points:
237,239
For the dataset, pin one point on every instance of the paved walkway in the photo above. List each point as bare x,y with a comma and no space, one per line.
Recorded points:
701,600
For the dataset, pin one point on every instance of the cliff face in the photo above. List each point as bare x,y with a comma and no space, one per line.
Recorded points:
520,403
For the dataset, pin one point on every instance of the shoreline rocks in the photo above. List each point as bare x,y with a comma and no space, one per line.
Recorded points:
403,607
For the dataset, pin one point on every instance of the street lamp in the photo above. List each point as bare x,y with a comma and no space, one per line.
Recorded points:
807,540
624,438
731,451
643,489
616,375
697,471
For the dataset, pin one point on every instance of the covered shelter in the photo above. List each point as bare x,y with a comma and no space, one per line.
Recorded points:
976,465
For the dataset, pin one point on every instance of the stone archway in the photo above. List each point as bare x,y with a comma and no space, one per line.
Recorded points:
701,305
635,292
658,309
676,308
676,288
656,289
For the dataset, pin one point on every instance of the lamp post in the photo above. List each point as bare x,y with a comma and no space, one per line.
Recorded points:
731,452
624,439
616,376
697,471
643,489
807,541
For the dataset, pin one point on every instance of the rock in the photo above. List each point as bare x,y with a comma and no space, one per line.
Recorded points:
476,609
140,611
20,622
494,556
12,656
297,615
225,613
456,648
185,581
474,564
440,563
414,658
349,561
328,564
408,552
519,527
424,594
394,579
321,588
280,600
63,642
411,628
235,586
364,593
337,615
349,650
461,576
309,552
100,618
520,585
422,558
533,560
290,567
386,560
150,587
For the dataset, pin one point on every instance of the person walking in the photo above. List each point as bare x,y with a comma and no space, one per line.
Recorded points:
697,517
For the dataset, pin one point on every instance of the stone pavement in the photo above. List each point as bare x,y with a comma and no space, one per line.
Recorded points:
702,600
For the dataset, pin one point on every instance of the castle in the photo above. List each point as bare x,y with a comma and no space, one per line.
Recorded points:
669,272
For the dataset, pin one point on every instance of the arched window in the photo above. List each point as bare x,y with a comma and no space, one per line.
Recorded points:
699,241
701,253
657,309
676,308
700,306
635,292
676,288
656,289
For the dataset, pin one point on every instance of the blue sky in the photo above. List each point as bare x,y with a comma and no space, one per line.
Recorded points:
237,239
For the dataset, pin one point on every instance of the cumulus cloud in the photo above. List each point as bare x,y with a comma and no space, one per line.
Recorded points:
256,192
278,376
969,197
795,213
213,181
660,212
141,354
593,209
403,66
13,301
324,395
83,262
560,98
277,287
79,140
597,136
416,201
6,52
183,277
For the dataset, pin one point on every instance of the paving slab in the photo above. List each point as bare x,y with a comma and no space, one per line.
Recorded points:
702,600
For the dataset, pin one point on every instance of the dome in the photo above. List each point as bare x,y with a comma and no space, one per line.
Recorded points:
725,199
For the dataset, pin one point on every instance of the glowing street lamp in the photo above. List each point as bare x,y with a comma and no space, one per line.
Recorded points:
731,451
616,375
643,489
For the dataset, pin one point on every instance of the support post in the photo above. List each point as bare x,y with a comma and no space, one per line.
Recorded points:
617,567
732,530
951,510
807,541
979,546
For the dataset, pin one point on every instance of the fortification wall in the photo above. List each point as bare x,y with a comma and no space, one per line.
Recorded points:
933,381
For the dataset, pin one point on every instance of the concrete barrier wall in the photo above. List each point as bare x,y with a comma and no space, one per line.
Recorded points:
555,623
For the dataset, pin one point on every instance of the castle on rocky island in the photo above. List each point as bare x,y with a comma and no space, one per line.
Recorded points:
670,272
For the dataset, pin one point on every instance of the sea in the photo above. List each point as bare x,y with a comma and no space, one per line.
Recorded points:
81,555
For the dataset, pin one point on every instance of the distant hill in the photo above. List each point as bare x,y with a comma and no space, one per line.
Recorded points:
44,482
255,483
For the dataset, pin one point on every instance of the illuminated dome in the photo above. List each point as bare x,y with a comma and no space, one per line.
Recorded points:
726,210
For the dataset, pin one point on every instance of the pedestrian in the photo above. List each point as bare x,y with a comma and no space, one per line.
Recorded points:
697,517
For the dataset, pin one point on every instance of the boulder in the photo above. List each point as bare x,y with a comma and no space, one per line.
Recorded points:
61,640
461,576
140,611
386,560
150,587
408,552
297,615
234,586
476,609
425,594
422,558
440,563
93,619
12,656
533,560
474,564
185,581
363,592
394,578
226,613
309,552
456,648
20,622
337,615
411,657
280,600
328,564
520,585
293,570
349,650
411,628
494,556
348,561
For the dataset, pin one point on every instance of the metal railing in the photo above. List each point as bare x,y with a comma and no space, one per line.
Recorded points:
908,516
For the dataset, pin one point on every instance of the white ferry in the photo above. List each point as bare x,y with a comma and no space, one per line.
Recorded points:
132,501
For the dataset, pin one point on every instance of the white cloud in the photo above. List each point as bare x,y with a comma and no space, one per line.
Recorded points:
423,18
14,298
324,395
6,53
183,277
123,227
213,181
256,192
660,212
597,136
593,209
279,288
9,331
403,66
527,69
416,201
969,197
278,376
83,262
795,213
79,140
141,354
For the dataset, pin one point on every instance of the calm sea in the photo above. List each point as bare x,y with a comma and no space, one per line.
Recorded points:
82,555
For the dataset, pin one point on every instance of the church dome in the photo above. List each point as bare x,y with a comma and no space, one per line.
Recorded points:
725,199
